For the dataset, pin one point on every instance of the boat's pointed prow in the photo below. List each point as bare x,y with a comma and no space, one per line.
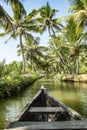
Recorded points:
42,87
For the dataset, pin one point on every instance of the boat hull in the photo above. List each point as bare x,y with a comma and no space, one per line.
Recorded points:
45,112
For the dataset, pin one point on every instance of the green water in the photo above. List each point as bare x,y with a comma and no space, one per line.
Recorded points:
72,94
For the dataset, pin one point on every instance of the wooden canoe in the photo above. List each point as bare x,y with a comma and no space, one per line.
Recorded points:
46,113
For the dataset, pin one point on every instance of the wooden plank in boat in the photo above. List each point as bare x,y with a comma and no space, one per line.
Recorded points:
45,109
64,125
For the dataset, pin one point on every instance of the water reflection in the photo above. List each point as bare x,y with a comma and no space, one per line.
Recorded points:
72,94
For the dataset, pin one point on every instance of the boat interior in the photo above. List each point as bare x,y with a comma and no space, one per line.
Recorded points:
45,108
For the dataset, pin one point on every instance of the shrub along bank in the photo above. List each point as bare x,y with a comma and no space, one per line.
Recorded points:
11,86
73,78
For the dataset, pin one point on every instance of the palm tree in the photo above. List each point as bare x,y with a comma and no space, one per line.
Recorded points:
74,42
68,47
18,25
33,52
57,50
47,20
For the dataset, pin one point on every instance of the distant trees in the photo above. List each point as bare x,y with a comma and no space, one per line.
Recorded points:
34,53
10,69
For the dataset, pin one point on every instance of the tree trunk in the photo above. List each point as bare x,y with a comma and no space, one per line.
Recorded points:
32,65
77,65
23,58
63,62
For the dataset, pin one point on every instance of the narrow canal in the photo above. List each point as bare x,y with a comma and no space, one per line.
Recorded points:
72,94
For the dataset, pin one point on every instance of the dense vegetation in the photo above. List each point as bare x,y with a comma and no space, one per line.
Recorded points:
12,80
65,54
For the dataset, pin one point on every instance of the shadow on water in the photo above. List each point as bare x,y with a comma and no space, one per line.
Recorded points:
72,94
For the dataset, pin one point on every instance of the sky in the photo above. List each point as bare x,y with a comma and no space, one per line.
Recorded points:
8,50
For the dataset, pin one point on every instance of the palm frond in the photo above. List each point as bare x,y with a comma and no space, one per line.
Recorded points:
41,28
31,16
5,16
11,36
18,9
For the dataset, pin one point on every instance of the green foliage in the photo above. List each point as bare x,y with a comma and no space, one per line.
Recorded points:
48,21
13,85
10,69
2,66
11,79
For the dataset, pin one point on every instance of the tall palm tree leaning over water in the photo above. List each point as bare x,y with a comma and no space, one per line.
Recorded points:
19,25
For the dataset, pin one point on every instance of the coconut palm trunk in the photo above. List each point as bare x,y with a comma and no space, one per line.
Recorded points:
77,65
23,58
63,61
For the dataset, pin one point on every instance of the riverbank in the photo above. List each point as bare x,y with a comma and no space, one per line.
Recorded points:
13,85
73,78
